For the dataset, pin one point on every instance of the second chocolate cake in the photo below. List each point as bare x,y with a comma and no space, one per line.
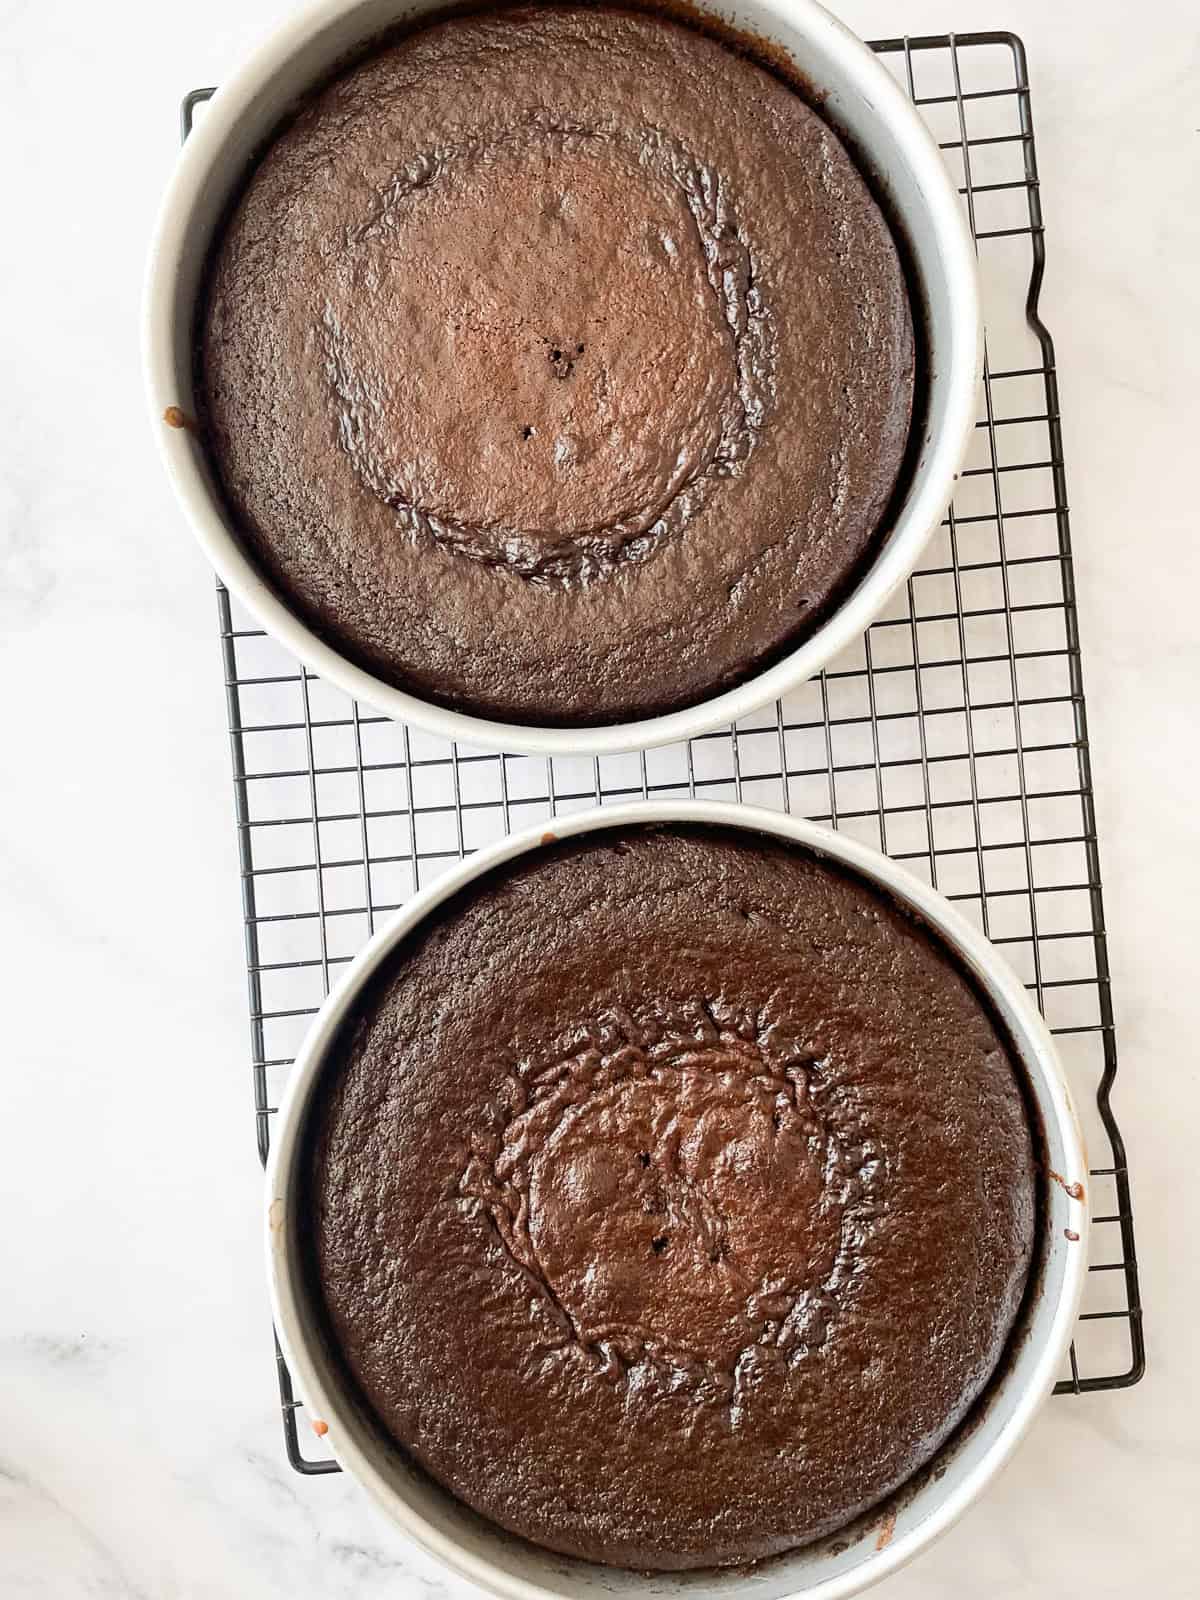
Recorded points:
557,365
671,1197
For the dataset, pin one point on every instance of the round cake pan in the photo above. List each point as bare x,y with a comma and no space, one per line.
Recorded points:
857,95
892,1533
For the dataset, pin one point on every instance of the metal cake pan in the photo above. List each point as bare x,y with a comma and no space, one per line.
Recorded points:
858,96
895,1531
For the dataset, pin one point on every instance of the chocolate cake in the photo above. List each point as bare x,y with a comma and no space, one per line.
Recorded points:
557,365
671,1197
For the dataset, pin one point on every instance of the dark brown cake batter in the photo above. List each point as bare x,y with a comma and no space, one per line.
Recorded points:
557,365
675,1197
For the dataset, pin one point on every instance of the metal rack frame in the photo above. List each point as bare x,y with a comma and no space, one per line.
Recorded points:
953,736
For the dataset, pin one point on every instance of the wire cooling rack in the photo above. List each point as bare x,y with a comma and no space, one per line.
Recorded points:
953,735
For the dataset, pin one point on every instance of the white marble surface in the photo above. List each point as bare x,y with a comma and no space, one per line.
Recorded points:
140,1452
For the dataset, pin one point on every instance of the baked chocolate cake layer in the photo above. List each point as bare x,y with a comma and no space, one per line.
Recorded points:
672,1197
557,365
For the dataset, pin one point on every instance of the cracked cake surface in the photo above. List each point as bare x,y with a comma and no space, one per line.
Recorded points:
557,365
671,1197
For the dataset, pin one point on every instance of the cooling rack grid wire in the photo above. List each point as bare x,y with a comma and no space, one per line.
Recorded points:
953,735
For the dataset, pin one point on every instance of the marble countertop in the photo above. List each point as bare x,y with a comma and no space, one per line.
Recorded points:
140,1450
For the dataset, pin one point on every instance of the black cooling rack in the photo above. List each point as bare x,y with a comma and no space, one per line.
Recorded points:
953,735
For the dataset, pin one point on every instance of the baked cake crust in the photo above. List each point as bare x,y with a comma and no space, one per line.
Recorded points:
672,1197
557,365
